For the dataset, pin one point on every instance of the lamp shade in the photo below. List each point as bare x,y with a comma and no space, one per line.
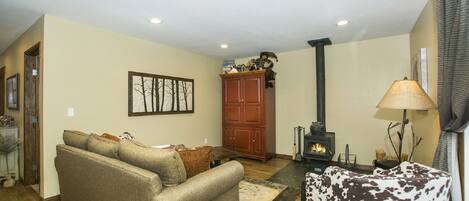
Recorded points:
406,94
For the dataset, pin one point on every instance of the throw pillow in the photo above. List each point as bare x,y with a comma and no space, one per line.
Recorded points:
111,137
126,136
76,139
165,162
196,160
103,146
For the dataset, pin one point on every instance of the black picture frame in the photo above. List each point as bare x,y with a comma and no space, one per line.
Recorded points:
152,94
12,89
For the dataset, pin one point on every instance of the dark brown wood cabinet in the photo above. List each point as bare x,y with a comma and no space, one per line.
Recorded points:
248,115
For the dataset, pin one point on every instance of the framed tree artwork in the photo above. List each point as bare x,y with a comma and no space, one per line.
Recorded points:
151,94
13,91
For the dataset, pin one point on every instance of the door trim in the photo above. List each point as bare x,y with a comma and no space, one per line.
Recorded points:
3,87
27,162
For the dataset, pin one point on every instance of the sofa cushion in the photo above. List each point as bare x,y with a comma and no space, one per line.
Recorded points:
103,146
165,162
76,139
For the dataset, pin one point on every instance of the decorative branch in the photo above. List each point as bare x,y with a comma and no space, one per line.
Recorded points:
415,142
392,125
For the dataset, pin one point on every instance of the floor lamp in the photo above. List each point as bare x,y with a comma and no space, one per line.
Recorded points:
405,95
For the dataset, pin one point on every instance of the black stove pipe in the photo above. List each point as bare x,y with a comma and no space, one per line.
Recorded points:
320,78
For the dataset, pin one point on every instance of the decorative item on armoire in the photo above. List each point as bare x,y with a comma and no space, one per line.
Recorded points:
228,65
264,63
151,94
13,91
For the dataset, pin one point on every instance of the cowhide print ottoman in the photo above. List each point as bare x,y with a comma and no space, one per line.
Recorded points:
407,182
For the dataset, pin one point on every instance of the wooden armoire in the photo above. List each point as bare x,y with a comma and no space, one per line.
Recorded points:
248,115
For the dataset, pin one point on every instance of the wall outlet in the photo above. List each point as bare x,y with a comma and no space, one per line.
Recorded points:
70,112
205,141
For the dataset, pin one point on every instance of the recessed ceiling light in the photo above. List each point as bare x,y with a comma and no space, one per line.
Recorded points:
155,20
224,46
342,22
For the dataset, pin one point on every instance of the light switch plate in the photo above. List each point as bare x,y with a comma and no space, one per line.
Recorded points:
70,112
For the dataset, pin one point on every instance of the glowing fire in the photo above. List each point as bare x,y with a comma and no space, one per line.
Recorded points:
318,148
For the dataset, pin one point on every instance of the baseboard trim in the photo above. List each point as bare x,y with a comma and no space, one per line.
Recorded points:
283,156
53,198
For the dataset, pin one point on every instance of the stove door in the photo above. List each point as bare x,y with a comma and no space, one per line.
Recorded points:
317,149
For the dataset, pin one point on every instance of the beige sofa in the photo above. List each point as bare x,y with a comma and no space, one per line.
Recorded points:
88,176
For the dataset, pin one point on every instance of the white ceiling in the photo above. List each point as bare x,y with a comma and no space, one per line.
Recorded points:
248,26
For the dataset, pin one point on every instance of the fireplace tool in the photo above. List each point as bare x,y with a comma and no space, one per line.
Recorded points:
298,132
345,159
293,153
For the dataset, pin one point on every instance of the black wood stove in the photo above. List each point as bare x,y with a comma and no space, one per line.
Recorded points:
319,145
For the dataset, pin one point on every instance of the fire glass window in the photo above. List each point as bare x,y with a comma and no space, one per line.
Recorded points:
317,148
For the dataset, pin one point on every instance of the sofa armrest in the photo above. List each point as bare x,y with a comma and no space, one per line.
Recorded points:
207,185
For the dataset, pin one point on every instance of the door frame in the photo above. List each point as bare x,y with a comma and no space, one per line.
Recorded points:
27,162
2,87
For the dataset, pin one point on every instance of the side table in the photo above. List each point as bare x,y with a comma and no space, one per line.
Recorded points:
386,164
219,154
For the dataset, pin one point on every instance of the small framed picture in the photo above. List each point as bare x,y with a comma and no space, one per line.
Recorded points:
13,91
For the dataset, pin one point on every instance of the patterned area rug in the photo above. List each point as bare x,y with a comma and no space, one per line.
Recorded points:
259,190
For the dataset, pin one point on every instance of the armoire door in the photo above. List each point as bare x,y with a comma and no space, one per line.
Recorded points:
233,101
253,100
257,141
242,139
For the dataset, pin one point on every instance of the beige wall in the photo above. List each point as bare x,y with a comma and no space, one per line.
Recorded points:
426,124
13,61
86,68
357,76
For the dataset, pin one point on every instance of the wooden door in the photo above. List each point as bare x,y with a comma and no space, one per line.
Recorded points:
31,117
253,100
233,101
228,138
257,141
242,139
